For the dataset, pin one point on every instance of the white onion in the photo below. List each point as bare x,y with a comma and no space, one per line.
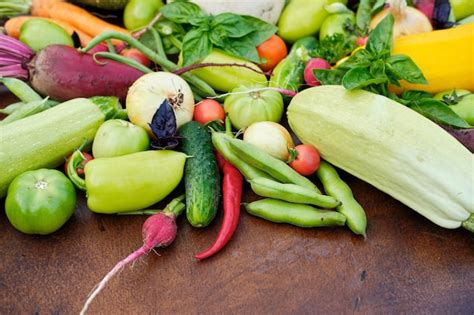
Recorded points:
271,137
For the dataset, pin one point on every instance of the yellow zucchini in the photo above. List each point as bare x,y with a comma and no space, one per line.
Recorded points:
444,56
391,147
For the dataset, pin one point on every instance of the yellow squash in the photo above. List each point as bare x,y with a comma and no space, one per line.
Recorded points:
445,57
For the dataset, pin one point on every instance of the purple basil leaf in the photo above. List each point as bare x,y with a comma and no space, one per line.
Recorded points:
163,126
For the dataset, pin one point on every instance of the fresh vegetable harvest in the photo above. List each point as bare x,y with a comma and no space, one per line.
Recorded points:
40,201
271,52
291,193
38,34
208,110
270,165
202,181
159,230
307,159
271,137
334,186
231,196
461,102
444,56
370,140
52,135
247,105
138,13
296,214
128,182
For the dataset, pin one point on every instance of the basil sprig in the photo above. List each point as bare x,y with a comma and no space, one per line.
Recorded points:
236,34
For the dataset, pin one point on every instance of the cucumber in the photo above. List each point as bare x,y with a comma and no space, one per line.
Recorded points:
44,140
201,177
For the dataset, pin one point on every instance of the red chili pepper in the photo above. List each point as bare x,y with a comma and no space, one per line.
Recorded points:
232,195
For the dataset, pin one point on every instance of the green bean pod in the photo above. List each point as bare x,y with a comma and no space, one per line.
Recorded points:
21,90
260,159
292,213
291,193
219,140
336,187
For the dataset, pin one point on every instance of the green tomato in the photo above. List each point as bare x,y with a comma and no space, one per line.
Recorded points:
118,137
335,23
462,8
138,13
38,33
40,201
245,109
464,108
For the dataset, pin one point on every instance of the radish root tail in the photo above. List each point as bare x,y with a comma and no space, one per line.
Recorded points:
121,264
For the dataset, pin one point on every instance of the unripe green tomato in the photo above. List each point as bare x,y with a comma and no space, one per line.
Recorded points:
464,108
38,33
138,13
40,201
245,109
462,8
118,137
335,23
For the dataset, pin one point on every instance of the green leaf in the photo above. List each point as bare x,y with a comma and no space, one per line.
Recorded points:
363,16
196,46
243,48
357,78
334,47
184,13
405,69
361,58
329,76
166,29
380,39
377,70
263,30
439,112
232,25
414,95
378,6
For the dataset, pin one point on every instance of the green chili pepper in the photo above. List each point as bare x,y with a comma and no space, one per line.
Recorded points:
219,140
296,214
276,168
128,182
336,187
292,193
40,201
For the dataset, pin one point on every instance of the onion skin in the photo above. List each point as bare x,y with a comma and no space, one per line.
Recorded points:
63,73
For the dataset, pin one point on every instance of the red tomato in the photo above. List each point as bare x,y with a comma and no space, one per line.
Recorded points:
307,159
136,55
271,52
80,168
208,110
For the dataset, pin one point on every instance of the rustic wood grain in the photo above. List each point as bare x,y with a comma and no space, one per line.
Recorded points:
406,265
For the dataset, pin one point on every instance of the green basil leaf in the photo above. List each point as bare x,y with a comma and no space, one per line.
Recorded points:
262,32
196,46
380,39
377,70
232,25
414,95
378,6
405,69
184,13
357,78
363,16
243,48
328,76
361,58
439,112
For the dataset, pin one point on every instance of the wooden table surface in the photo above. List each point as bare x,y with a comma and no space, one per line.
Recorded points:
406,265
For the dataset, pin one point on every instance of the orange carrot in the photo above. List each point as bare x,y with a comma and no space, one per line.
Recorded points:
81,19
13,25
42,7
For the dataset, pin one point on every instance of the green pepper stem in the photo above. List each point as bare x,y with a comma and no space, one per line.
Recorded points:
469,223
155,57
130,62
75,160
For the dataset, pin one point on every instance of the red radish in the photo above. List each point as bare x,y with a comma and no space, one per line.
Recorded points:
208,110
63,73
361,41
314,63
159,230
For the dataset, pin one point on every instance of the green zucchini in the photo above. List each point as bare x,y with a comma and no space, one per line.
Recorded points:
201,177
45,139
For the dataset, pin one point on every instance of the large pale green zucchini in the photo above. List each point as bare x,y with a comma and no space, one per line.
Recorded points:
46,139
391,147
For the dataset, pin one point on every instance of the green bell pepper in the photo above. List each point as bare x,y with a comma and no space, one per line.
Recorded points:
128,182
40,201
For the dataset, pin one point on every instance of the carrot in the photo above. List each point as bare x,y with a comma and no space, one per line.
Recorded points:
13,25
81,19
42,7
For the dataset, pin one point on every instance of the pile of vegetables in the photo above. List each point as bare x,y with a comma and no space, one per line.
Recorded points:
195,93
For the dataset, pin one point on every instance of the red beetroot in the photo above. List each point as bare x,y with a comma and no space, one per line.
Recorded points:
314,63
63,73
159,230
